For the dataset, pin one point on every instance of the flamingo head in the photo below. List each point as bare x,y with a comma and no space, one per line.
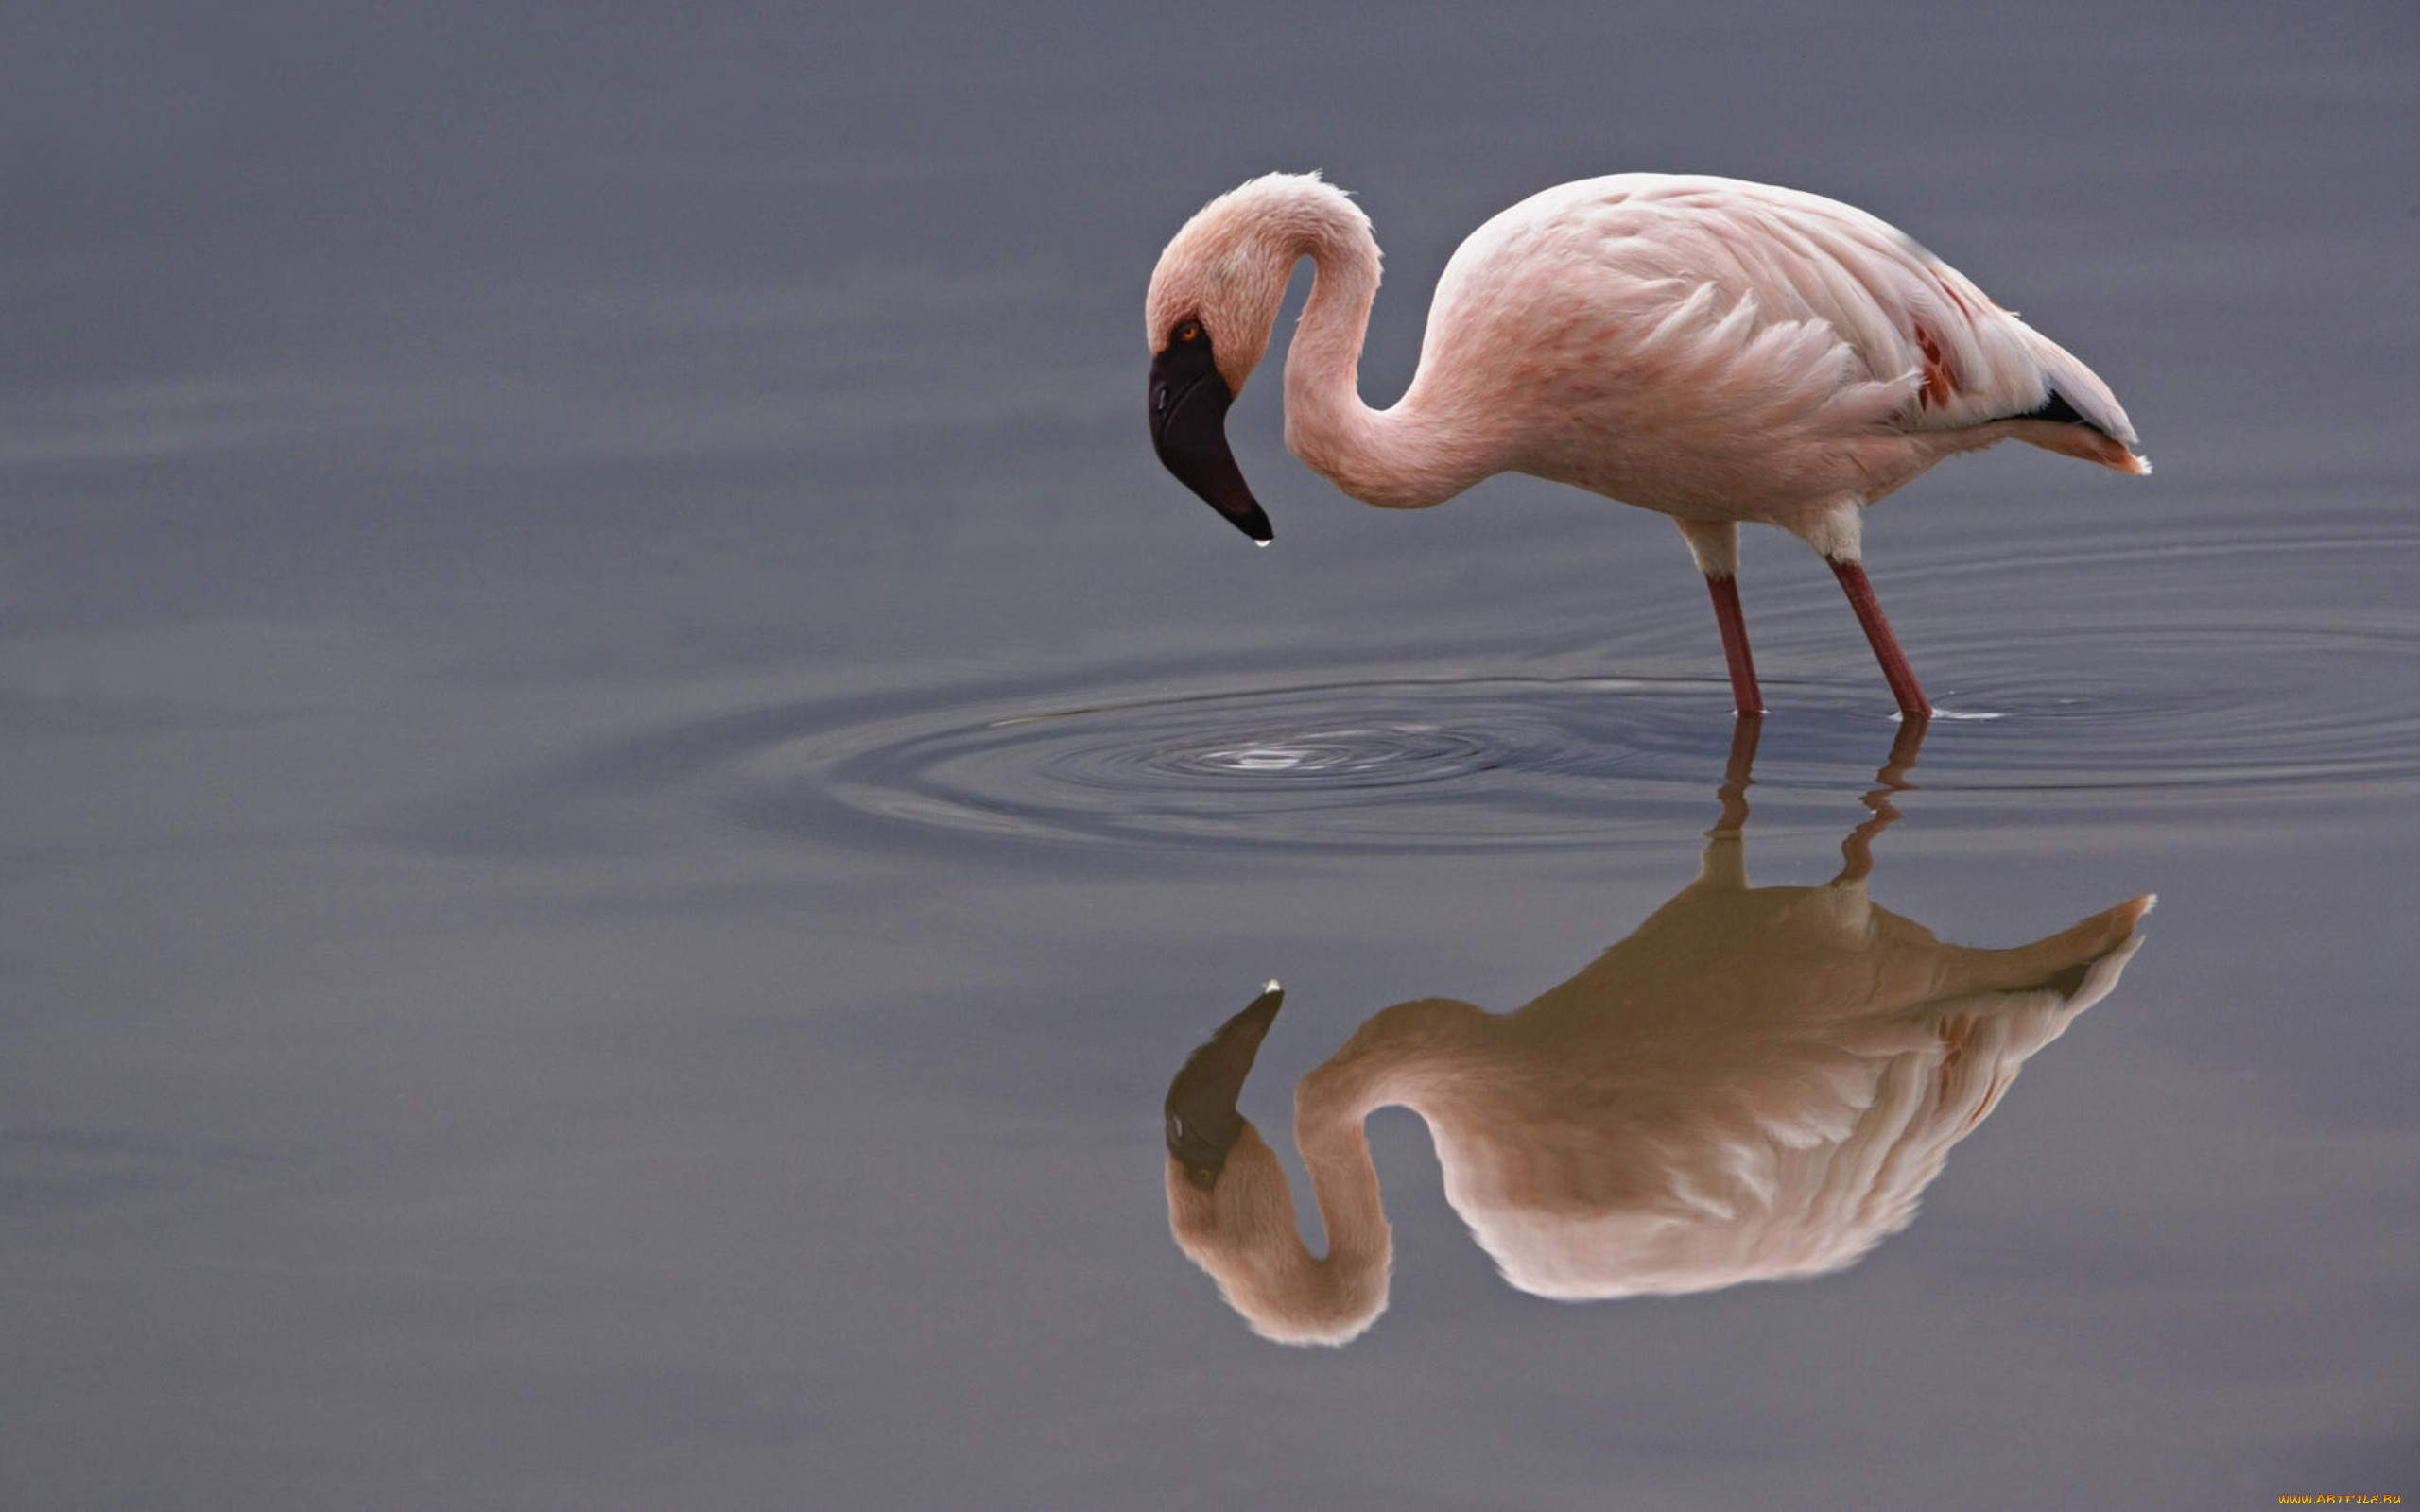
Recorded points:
1202,1124
1207,318
1229,1209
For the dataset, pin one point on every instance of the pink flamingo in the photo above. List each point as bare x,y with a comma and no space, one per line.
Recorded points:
1712,349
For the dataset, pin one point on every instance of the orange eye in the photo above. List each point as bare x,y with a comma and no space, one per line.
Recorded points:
1188,331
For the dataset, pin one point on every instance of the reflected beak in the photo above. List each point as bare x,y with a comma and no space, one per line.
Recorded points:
1189,431
1202,1124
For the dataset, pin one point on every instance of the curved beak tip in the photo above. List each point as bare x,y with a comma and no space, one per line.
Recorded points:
1201,1122
1188,411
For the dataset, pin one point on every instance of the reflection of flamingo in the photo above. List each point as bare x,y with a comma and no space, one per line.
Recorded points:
1712,349
1757,1084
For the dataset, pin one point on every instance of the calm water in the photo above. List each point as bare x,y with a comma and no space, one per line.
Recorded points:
625,784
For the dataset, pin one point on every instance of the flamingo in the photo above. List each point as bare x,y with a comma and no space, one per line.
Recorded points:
1757,1084
1712,350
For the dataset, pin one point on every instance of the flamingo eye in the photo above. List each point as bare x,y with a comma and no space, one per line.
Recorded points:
1188,331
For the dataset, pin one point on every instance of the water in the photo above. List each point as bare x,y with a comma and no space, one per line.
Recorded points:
625,785
2313,706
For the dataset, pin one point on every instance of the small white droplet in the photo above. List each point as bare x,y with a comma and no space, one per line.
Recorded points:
1273,985
1261,543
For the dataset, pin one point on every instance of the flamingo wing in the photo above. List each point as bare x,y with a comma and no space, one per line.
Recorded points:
1925,349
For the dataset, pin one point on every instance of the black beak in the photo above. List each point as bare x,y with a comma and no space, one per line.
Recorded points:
1201,1119
1189,431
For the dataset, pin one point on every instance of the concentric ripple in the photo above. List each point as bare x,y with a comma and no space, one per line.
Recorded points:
2209,716
2167,705
1475,761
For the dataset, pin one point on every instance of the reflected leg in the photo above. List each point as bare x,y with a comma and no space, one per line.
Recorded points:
1724,862
1857,852
1734,792
1904,746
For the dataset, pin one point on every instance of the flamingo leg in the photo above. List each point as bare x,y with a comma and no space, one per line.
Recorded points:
1714,545
1736,779
1896,670
1745,700
1857,852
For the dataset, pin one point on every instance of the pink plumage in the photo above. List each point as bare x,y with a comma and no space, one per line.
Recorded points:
1712,350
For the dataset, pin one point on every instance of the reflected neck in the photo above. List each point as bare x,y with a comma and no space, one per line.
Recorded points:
1345,1184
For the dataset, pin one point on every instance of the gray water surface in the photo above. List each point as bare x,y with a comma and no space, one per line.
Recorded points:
625,783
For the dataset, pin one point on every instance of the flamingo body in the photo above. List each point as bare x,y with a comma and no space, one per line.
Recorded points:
1712,349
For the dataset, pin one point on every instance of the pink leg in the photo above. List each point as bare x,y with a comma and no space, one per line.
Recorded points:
1745,700
1901,676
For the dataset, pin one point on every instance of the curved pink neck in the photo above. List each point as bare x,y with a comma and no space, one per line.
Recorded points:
1386,457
